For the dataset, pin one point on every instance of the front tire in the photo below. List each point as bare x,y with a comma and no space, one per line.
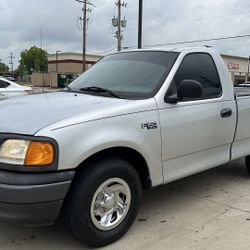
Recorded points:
103,201
247,163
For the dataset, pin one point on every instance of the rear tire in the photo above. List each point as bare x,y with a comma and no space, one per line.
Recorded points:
103,201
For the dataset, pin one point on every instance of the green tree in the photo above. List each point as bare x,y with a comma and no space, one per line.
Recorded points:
21,70
4,69
33,59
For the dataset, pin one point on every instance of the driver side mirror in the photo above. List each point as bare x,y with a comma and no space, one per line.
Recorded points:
186,89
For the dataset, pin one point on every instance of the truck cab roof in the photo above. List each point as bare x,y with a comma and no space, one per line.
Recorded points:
174,49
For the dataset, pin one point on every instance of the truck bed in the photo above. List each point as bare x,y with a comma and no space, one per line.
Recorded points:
241,144
242,91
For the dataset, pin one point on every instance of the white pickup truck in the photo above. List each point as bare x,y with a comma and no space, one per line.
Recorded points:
135,120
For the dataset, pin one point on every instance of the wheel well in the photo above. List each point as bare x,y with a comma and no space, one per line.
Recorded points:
129,155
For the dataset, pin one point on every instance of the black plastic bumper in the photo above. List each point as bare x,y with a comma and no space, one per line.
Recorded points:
32,199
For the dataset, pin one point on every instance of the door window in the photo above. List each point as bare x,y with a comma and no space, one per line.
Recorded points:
3,84
199,67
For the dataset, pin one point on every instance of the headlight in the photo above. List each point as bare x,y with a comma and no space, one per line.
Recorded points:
13,151
28,153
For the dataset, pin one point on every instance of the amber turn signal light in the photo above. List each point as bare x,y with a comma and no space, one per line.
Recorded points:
39,154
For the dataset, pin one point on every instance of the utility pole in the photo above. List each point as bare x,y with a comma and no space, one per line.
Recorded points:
57,52
117,22
140,24
11,62
84,35
41,37
119,35
248,67
83,20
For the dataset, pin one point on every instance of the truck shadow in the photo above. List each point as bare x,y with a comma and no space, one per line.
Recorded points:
164,205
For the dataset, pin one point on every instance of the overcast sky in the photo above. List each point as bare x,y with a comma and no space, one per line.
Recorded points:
164,22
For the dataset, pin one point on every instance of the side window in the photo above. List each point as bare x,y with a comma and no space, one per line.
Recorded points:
4,84
199,67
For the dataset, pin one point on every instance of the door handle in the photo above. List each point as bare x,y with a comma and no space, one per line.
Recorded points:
227,112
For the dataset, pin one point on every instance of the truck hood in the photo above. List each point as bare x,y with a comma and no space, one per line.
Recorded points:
29,114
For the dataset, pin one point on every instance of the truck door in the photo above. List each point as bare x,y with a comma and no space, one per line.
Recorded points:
196,133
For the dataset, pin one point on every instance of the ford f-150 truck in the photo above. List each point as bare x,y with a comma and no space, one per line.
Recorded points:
135,120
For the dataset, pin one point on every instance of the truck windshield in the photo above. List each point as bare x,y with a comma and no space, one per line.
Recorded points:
132,75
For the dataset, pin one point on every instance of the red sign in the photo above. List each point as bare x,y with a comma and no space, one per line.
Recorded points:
233,66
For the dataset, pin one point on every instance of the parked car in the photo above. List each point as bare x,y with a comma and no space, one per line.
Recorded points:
136,119
10,78
10,89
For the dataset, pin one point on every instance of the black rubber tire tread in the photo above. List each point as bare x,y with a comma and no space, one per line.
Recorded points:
247,163
76,212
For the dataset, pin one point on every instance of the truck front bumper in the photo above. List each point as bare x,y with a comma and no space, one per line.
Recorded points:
32,199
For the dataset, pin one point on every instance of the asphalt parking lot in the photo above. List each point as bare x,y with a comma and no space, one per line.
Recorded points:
210,210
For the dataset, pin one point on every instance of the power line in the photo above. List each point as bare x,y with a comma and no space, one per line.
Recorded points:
104,52
193,41
184,20
207,18
109,50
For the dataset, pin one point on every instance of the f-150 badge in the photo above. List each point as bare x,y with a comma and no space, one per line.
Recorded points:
149,125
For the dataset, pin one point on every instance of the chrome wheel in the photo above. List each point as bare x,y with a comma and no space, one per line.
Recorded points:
110,204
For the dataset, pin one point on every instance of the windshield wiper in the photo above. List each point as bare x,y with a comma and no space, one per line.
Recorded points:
99,90
68,88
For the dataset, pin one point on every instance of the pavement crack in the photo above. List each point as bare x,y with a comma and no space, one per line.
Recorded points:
228,206
210,220
214,202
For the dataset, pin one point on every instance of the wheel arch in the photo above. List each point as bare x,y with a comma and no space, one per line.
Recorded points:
128,154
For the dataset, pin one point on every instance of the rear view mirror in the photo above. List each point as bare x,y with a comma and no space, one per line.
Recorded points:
186,89
189,89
